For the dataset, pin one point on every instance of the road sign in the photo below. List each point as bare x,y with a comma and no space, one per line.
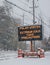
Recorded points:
28,33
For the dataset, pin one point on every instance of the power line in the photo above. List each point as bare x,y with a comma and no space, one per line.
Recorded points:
23,9
18,7
44,16
22,2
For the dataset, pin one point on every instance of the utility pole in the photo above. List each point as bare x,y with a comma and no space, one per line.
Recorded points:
23,23
23,19
42,27
33,23
34,18
33,12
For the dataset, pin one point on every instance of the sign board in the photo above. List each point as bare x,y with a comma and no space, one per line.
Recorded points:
28,33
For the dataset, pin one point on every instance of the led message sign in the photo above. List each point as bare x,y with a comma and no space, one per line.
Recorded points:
28,33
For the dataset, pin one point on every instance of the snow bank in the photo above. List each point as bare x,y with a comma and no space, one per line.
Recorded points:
10,58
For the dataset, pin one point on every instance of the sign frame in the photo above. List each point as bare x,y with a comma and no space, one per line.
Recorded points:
24,33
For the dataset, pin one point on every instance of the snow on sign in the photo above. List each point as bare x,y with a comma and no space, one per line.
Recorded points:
28,33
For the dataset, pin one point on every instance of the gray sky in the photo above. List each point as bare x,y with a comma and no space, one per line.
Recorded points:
44,9
43,4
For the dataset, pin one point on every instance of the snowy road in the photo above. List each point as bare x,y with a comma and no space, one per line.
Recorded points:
10,58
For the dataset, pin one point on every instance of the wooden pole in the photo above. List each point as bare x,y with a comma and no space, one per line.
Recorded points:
31,46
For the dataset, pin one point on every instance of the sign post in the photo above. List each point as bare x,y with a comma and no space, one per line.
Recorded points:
31,46
29,33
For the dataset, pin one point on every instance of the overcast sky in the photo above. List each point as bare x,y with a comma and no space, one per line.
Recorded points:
43,4
44,8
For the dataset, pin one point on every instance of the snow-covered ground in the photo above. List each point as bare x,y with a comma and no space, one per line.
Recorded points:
10,58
